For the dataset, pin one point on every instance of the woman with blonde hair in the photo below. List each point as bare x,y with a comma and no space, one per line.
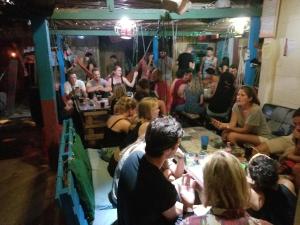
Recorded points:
147,110
119,91
226,191
117,126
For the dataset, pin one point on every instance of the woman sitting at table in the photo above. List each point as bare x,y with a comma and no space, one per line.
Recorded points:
274,198
118,78
119,91
227,193
117,126
147,111
247,123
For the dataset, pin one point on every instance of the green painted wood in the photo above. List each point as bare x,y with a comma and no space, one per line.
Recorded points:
113,33
110,5
153,14
43,54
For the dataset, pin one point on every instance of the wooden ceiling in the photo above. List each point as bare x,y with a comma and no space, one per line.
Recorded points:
15,18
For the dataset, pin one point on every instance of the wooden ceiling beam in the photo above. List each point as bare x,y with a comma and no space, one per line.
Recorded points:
153,14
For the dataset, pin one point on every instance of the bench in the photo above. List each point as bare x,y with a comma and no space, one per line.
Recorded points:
82,183
279,119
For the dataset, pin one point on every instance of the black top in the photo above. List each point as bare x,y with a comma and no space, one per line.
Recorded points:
279,207
113,138
223,97
150,191
131,136
126,186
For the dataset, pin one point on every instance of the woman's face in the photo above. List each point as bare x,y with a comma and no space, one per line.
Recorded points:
118,71
155,112
242,98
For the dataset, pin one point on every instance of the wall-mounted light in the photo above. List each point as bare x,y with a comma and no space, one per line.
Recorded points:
13,54
126,28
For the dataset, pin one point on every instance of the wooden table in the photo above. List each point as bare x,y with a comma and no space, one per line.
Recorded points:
93,115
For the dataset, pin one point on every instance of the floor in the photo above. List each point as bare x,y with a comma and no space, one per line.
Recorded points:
27,184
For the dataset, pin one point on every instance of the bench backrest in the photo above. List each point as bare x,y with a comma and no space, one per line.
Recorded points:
279,118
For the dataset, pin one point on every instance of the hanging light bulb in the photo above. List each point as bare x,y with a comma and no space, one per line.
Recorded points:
126,28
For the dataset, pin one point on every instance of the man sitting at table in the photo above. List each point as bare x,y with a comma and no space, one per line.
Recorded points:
73,87
97,85
145,196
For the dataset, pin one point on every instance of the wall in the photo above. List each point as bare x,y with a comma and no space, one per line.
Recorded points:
280,75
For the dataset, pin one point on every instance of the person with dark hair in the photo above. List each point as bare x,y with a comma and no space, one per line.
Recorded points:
90,62
282,144
185,61
247,123
233,70
224,66
221,101
145,195
113,61
273,198
179,89
208,61
165,64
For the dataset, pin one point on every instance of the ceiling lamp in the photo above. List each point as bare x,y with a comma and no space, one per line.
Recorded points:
240,24
126,28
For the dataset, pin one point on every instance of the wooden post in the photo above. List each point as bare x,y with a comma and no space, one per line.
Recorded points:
51,129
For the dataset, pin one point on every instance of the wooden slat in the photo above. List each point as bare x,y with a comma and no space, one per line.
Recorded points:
91,137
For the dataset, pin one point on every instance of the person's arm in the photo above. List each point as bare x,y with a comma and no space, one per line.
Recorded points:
201,66
132,83
288,184
143,128
223,126
180,91
173,212
88,73
292,156
201,99
256,200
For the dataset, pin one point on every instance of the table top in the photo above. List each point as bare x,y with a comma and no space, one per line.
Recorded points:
92,105
191,140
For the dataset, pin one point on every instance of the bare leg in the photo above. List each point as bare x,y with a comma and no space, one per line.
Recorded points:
238,138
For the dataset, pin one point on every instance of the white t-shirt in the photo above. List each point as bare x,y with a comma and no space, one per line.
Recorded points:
68,88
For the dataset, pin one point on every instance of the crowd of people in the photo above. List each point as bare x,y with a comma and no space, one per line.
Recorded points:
149,158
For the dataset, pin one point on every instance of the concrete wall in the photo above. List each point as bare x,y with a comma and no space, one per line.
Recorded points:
280,73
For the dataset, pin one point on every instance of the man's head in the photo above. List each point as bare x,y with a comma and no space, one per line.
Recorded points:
88,55
162,137
96,74
209,51
233,70
296,119
162,53
72,78
113,59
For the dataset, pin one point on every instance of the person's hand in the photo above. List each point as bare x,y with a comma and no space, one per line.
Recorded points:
135,74
179,153
187,192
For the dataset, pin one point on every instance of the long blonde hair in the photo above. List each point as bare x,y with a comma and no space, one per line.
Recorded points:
124,104
225,184
145,107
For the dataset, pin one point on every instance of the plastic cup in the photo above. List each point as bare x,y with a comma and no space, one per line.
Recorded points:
204,142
